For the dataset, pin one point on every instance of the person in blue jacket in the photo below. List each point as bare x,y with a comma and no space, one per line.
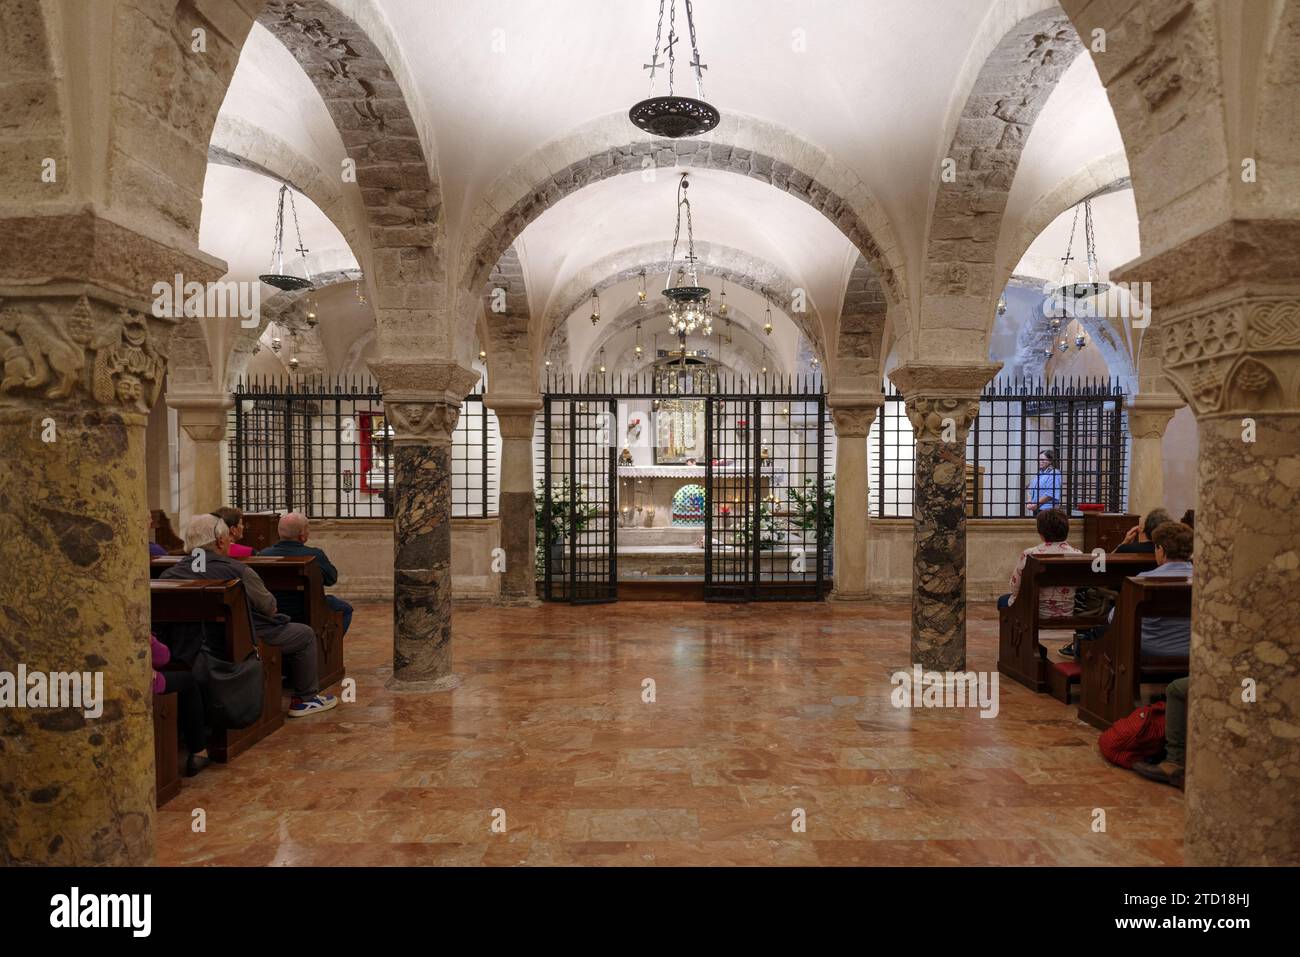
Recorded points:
294,530
1045,487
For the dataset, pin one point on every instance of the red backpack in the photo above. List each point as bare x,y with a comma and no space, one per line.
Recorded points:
1139,736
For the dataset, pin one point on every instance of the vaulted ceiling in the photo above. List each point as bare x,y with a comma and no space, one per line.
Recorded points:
874,88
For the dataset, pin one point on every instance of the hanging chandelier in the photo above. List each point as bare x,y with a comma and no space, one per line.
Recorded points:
279,278
1073,292
674,116
688,304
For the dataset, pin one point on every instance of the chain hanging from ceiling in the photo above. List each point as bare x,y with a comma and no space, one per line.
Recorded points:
278,277
674,116
688,301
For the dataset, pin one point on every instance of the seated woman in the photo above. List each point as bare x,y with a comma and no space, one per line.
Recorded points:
234,520
1053,529
194,730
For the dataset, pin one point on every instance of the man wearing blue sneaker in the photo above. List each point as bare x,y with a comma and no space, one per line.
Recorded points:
294,531
297,642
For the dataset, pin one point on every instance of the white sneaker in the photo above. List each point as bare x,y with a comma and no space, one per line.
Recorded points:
316,704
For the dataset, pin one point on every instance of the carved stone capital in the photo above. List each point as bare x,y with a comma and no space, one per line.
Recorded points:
1236,354
421,420
516,414
202,416
853,414
942,418
959,379
79,348
1149,415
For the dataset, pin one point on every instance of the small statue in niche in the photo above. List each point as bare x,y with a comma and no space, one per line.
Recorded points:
625,457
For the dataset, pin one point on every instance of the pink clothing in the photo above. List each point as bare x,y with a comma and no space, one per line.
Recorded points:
1052,602
161,655
240,551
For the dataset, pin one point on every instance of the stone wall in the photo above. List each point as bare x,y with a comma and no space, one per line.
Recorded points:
362,549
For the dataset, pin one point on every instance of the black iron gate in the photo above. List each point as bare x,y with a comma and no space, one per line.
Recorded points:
766,513
580,499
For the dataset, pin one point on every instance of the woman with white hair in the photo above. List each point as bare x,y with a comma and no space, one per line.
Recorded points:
207,539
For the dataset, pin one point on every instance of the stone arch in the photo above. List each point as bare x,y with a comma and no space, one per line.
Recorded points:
1163,79
860,330
1012,86
399,188
741,144
733,265
504,331
1278,183
34,108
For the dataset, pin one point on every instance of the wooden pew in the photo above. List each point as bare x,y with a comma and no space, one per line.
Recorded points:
1113,666
223,602
166,747
296,573
261,530
1020,656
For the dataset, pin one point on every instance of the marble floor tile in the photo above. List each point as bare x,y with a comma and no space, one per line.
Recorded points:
772,740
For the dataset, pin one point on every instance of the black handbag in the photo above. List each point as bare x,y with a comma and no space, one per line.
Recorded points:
233,691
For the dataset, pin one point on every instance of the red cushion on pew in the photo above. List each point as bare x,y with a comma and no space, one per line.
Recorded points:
1071,669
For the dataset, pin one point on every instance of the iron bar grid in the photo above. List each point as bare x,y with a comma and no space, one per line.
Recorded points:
323,446
1081,422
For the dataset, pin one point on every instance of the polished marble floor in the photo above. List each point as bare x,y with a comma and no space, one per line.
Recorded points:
759,711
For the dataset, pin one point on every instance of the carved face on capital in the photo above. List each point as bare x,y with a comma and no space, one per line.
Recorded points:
130,391
134,331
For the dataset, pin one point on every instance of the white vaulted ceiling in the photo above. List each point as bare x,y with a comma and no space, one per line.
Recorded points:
875,84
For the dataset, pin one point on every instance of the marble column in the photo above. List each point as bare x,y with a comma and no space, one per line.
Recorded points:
422,404
1148,416
942,401
81,369
202,420
1235,354
516,416
853,417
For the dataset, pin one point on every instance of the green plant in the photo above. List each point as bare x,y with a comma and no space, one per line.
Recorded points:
804,503
553,530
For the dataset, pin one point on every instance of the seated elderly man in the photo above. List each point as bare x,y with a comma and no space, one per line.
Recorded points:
297,642
294,530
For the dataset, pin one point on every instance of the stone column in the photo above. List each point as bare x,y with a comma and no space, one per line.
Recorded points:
942,401
853,418
202,419
516,416
81,369
422,404
1148,415
1235,354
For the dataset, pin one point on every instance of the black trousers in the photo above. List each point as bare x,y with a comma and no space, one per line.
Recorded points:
189,715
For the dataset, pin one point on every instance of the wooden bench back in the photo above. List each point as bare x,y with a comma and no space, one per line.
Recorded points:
1113,666
1019,655
177,601
294,573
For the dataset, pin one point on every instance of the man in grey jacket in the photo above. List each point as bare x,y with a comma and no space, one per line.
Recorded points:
207,540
